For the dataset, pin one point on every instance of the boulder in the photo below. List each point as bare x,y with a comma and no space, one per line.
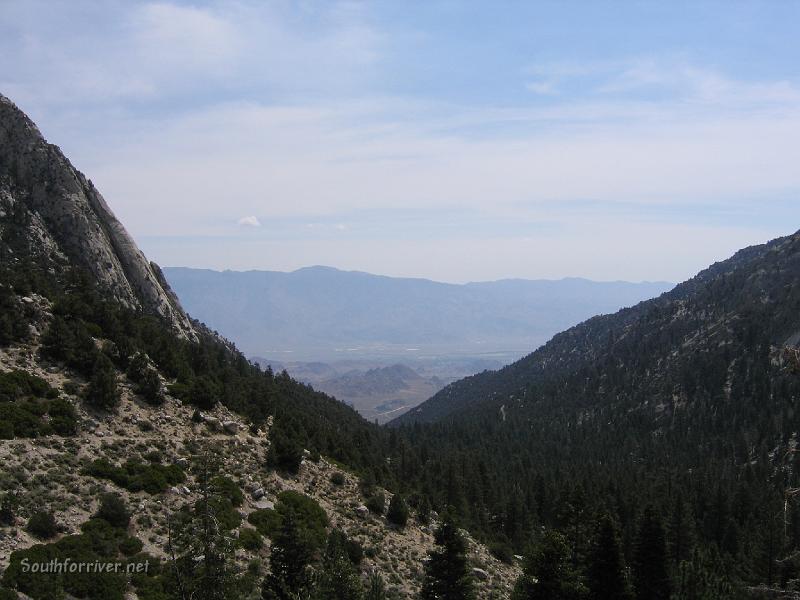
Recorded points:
231,427
258,493
362,511
480,574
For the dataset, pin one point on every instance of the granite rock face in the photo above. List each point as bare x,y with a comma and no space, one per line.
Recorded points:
71,219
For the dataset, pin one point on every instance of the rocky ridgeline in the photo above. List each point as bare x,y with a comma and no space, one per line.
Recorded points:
70,218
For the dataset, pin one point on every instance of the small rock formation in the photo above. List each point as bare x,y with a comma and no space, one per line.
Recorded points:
70,219
231,427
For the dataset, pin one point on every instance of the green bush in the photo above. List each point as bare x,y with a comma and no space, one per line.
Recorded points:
113,510
376,503
228,489
284,454
337,478
63,417
102,392
20,384
136,476
355,551
502,552
5,593
398,511
310,517
98,541
148,383
8,506
250,539
42,525
130,546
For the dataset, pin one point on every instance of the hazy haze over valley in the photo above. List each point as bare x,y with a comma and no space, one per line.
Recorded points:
386,344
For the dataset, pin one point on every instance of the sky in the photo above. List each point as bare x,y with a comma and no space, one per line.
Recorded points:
457,141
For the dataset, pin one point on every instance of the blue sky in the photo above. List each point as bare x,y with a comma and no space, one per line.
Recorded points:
451,140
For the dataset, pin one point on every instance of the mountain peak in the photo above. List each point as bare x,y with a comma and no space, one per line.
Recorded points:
69,219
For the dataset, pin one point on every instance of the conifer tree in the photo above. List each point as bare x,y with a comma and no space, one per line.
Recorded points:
338,578
680,533
699,579
102,392
548,573
398,511
288,561
202,551
447,575
606,577
650,578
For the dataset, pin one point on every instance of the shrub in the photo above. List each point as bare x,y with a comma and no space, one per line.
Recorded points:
42,525
7,594
63,417
284,455
337,478
102,392
20,384
376,503
310,518
113,511
130,546
148,383
7,509
398,511
228,489
250,539
502,552
355,551
136,477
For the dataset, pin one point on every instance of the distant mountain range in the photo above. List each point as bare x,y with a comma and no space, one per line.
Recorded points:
381,391
321,313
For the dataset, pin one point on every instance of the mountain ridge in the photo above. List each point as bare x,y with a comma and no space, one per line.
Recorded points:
74,220
569,342
335,313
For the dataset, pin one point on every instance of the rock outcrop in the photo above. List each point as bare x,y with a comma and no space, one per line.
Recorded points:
70,218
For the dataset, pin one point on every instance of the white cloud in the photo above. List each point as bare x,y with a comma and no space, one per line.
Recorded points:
186,115
250,221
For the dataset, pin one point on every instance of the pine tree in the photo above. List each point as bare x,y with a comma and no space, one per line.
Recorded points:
548,573
681,532
288,561
699,579
650,578
398,511
202,552
447,575
606,572
338,578
102,392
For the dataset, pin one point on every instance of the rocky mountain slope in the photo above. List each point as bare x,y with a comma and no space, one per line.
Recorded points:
49,472
699,339
70,221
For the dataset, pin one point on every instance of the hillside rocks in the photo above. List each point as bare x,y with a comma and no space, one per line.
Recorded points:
69,219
